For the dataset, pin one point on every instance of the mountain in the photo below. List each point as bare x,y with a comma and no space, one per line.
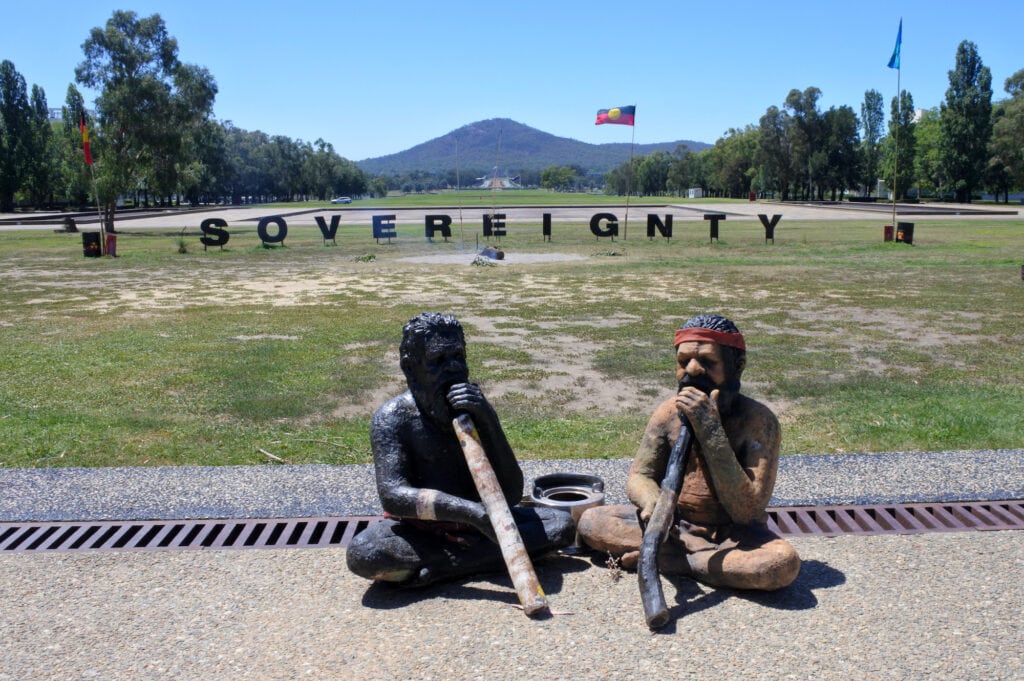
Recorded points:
512,146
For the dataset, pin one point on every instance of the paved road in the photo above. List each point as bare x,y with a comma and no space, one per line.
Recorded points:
358,214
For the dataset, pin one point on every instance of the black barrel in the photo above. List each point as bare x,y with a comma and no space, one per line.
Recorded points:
91,244
905,232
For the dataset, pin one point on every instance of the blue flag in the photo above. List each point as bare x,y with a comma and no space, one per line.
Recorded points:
894,60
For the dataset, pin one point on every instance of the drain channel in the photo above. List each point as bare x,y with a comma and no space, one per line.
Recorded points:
158,535
897,518
166,535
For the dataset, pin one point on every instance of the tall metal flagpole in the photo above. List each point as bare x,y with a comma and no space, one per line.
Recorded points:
99,212
629,177
92,173
894,63
896,156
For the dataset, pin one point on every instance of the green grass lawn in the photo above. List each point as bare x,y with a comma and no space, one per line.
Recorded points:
223,357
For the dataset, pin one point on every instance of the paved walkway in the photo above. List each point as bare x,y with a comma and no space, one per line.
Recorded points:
935,606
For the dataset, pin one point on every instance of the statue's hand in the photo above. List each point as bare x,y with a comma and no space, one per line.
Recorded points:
700,409
648,510
468,397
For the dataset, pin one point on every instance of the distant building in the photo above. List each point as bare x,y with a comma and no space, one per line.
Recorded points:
695,193
493,181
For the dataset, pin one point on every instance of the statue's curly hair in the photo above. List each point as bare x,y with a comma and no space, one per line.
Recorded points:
416,330
711,322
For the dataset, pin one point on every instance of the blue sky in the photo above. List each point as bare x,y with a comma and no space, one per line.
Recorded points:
375,78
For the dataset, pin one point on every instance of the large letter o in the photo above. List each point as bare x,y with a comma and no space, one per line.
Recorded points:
282,230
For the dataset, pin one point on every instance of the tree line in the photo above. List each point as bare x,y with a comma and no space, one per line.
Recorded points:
152,135
154,140
964,146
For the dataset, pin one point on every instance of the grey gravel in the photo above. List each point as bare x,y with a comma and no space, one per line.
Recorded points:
277,491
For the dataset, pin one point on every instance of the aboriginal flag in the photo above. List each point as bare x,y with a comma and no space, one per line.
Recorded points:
622,115
85,140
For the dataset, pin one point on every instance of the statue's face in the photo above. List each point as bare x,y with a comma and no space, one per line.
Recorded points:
443,363
700,365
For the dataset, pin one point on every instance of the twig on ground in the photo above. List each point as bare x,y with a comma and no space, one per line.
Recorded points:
271,456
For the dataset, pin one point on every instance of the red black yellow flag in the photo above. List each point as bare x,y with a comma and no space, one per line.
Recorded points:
622,115
85,140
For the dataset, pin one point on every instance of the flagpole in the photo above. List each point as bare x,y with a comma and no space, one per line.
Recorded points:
895,62
92,173
458,195
628,117
99,212
629,177
896,156
494,179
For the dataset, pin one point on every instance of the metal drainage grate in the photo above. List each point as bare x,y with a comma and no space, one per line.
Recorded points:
897,518
165,535
162,535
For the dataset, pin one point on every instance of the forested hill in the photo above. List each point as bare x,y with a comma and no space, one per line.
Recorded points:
475,147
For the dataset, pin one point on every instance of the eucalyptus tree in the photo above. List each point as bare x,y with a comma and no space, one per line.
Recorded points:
842,141
558,178
41,163
809,154
322,169
966,117
285,158
774,157
249,162
15,133
1007,147
205,173
730,162
872,118
928,169
146,98
680,172
652,173
621,179
378,187
74,183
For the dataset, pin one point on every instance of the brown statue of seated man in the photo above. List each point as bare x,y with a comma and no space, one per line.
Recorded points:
435,525
719,535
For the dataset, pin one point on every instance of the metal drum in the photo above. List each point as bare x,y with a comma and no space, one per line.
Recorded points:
573,492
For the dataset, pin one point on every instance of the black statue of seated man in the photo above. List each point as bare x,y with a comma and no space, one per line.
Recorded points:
435,525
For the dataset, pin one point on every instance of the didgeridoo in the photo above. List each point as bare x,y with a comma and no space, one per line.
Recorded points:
520,568
656,532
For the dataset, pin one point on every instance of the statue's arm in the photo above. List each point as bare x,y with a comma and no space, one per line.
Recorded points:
399,495
643,485
469,398
744,476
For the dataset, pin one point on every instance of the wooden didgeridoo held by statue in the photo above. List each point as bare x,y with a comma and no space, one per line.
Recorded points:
656,532
520,568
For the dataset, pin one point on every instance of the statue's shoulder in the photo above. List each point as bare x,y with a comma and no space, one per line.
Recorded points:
758,416
398,408
751,406
753,410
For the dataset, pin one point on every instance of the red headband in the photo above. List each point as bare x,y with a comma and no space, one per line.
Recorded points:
733,340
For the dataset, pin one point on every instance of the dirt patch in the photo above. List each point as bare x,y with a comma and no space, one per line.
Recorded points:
509,259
